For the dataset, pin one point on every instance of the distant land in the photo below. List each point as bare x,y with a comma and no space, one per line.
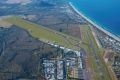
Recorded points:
23,2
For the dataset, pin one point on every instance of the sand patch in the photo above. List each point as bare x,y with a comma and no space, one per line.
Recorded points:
4,24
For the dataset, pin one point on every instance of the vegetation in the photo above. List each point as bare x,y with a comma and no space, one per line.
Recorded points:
45,34
85,29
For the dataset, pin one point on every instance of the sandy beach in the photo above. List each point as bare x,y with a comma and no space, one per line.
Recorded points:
94,24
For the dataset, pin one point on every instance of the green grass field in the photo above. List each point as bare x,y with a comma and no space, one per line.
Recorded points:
92,63
44,33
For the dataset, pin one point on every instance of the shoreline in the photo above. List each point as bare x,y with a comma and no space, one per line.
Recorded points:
94,24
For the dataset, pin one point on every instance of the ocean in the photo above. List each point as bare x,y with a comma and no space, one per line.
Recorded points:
105,13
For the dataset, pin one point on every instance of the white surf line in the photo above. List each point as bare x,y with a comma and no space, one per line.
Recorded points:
94,24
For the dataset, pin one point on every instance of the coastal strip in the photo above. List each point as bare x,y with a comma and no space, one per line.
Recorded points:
94,24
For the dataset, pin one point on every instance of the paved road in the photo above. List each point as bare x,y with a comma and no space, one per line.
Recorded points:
86,72
94,54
